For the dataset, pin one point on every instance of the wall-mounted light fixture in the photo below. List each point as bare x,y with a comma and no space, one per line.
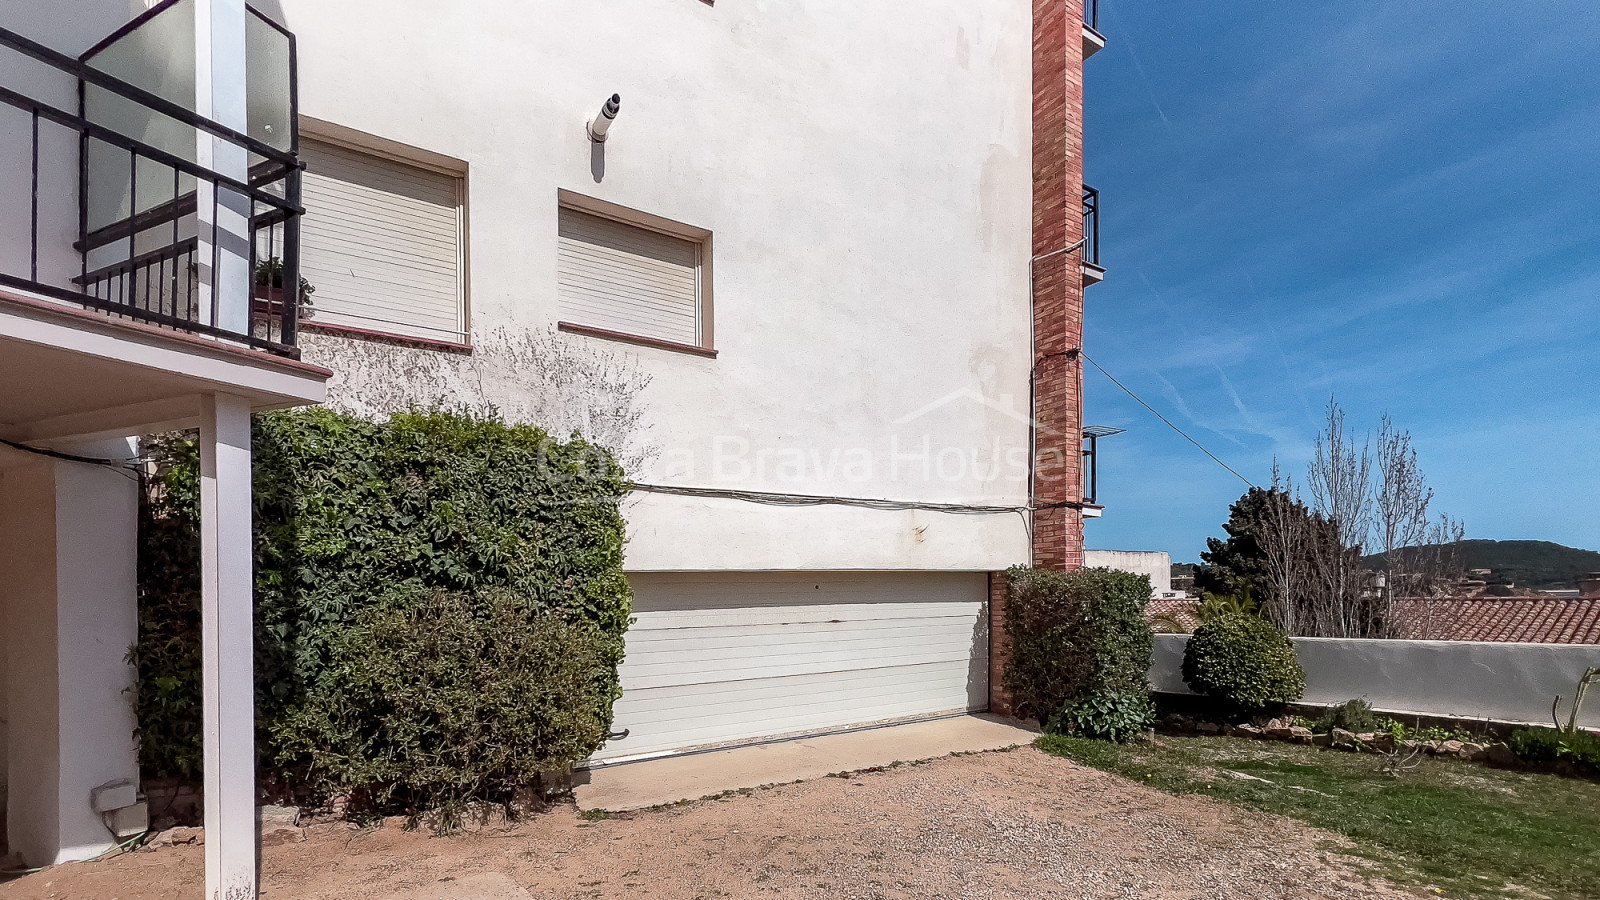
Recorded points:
599,125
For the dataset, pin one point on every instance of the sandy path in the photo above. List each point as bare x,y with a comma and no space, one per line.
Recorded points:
1008,824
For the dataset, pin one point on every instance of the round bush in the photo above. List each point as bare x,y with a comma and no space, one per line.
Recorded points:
1243,661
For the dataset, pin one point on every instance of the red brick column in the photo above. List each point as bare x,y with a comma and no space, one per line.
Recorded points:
999,647
1058,280
1057,312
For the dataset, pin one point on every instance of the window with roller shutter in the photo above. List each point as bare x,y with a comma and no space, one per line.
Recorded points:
622,279
382,242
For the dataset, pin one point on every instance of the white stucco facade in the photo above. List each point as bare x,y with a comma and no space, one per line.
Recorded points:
866,178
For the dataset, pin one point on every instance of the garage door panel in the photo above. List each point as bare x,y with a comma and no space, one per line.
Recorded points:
755,590
763,637
653,622
689,703
822,663
769,708
735,657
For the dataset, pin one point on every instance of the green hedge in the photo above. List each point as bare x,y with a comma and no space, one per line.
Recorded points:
1243,661
440,605
1080,649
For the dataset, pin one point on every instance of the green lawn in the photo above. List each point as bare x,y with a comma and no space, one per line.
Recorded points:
1465,829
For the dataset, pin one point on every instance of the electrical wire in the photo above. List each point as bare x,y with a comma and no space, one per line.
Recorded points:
122,467
1166,420
776,499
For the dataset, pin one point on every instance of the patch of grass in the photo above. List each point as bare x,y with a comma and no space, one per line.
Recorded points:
596,815
1468,830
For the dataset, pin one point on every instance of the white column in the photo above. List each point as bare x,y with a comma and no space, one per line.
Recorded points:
220,95
67,579
226,602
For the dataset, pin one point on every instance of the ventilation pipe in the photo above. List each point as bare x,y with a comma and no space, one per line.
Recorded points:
602,123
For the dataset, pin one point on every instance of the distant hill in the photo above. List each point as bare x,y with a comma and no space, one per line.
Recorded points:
1540,565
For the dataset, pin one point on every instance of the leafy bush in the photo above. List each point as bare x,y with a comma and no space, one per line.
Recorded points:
1351,715
449,697
1074,635
1105,716
1243,661
1549,745
388,555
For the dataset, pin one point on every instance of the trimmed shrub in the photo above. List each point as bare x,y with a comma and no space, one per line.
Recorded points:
1243,661
440,605
1353,716
1078,635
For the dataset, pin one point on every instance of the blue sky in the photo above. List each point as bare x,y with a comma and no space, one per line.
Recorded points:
1394,203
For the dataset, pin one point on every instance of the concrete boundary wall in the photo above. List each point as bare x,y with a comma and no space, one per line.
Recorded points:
1467,679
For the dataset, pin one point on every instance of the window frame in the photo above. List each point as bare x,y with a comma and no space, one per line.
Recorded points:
705,344
350,139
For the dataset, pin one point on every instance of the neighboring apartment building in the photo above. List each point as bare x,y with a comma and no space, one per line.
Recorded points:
845,244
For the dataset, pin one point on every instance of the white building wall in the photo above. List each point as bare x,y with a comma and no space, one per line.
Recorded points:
67,581
865,174
866,177
1155,564
1469,679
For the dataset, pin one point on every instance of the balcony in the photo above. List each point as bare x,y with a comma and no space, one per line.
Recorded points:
1093,272
148,282
1092,507
1093,40
176,221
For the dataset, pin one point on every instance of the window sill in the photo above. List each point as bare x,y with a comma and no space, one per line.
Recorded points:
385,337
626,338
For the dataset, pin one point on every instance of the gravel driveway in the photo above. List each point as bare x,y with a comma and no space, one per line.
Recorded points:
1018,824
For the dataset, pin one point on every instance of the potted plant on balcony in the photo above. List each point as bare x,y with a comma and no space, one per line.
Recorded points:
267,297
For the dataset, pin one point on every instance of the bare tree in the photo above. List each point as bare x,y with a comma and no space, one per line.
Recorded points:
1284,541
1340,480
1400,510
1433,607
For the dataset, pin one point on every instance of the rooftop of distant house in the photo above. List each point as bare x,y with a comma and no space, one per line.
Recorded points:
1534,619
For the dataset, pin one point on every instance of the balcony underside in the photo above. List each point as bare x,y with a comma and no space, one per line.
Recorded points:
1093,41
70,373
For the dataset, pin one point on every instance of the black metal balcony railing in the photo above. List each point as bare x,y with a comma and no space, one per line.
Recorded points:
1091,14
1091,225
146,263
1091,460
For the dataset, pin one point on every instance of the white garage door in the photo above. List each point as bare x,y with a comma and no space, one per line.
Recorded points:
718,659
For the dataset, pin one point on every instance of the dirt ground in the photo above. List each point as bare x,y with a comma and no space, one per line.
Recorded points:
1020,824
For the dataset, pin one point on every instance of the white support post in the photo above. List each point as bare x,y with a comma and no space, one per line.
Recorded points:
223,215
227,608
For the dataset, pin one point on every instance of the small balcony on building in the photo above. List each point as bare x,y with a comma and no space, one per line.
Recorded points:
1090,470
149,211
1093,272
147,251
1093,40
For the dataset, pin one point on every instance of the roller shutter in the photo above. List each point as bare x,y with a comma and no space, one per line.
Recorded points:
381,241
724,659
628,279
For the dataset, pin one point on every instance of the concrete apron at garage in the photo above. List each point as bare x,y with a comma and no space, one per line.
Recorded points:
656,781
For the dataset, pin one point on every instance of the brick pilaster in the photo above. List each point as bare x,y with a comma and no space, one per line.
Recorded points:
1058,279
999,647
1057,312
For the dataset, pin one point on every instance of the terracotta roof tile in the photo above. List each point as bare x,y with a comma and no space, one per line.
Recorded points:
1534,620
